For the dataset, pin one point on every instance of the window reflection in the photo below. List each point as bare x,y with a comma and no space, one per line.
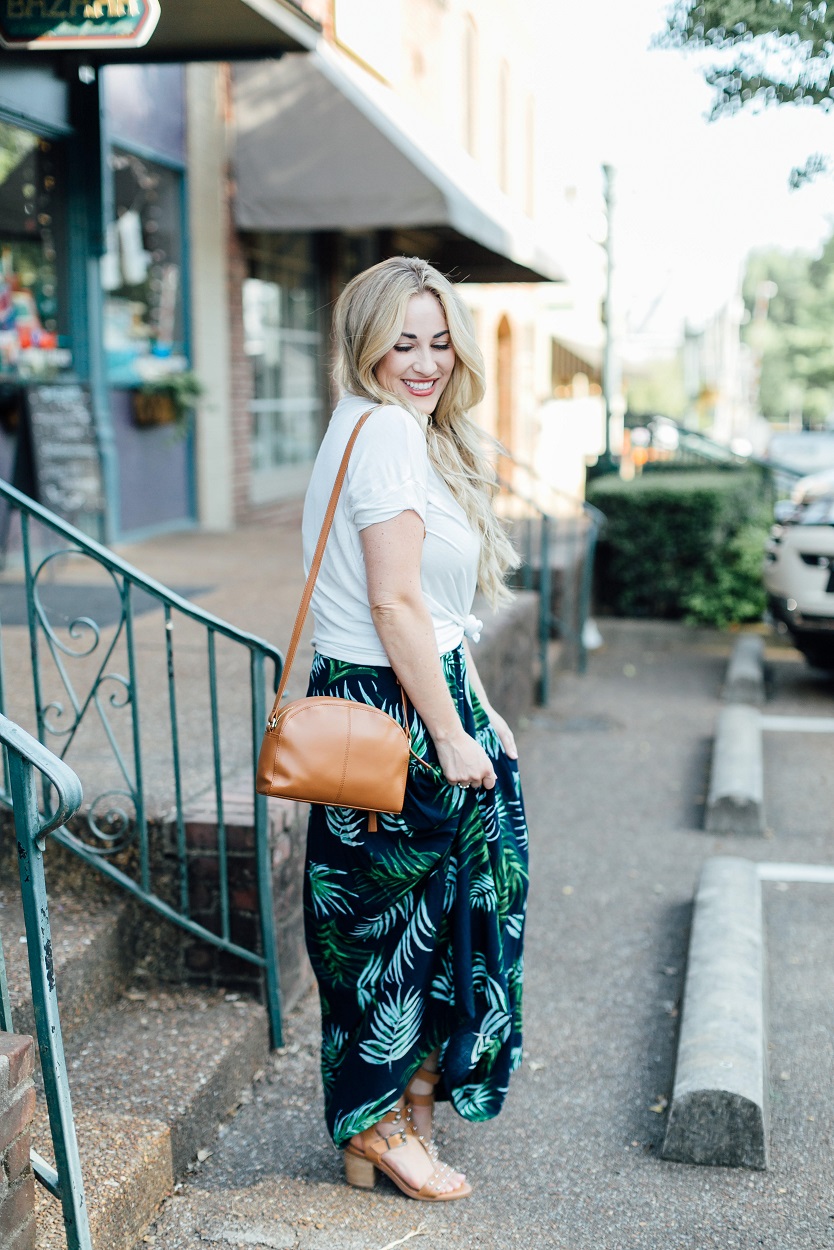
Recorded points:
141,272
32,303
284,344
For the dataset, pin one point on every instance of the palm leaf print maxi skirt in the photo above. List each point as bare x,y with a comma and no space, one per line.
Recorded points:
415,932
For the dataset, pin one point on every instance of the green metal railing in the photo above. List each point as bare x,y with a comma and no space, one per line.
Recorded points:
553,530
698,450
23,755
86,682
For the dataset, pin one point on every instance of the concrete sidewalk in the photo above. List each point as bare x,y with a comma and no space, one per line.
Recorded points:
615,779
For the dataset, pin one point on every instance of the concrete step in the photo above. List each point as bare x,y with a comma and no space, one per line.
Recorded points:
92,947
151,1079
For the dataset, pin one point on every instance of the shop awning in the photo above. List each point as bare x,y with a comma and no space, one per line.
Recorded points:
320,145
219,30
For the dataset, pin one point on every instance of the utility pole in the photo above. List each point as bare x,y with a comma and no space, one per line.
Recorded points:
610,371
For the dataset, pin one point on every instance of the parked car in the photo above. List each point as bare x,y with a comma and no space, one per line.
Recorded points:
804,452
799,567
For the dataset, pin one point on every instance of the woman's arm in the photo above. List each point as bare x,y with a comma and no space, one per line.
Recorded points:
392,551
505,734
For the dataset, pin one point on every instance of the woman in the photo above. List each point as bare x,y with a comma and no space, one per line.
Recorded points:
414,930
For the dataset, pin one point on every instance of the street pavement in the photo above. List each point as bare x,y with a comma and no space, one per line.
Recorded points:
615,774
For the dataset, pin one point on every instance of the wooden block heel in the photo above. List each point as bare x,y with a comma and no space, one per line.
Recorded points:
359,1172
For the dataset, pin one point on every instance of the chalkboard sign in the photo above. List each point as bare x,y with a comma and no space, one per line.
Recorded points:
65,461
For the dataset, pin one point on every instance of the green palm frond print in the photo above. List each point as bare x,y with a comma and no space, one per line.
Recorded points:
340,964
471,846
443,985
395,876
449,664
418,935
477,1101
482,721
450,889
511,880
327,893
393,709
419,742
337,671
492,1031
366,984
394,1027
488,738
334,1042
515,924
482,892
378,926
415,930
346,823
349,1123
394,823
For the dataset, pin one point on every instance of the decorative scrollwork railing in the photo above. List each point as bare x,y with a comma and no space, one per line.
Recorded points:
90,653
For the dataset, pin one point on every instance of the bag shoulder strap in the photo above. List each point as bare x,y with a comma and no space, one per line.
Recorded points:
309,585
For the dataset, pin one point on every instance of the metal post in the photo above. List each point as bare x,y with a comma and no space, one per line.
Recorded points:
5,1005
544,612
30,839
264,858
606,462
585,589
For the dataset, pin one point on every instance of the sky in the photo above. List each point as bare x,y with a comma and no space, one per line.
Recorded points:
693,196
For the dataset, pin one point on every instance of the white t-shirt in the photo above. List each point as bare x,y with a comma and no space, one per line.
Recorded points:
389,473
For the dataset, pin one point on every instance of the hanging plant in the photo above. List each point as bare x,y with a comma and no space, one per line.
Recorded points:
167,400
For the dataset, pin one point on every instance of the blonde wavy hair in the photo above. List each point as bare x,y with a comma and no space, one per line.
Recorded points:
367,321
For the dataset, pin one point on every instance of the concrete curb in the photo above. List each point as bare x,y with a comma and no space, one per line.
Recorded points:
719,1110
744,682
735,803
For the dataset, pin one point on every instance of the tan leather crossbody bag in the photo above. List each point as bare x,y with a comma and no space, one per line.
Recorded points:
329,750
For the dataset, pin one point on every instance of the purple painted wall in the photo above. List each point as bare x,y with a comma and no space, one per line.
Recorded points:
154,470
145,105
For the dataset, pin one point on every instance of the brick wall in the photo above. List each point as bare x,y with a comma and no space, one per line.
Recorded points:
177,957
17,1106
287,842
241,387
240,379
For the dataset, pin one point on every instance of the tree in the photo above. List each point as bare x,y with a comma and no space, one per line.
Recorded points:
769,51
657,389
790,332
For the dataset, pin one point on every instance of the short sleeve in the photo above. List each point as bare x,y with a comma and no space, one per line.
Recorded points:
388,471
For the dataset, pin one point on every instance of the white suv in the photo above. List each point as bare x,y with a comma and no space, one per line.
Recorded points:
799,567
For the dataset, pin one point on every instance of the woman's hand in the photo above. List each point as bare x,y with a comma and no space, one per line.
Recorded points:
464,762
505,734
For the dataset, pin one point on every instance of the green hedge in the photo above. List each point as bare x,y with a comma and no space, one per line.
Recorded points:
682,546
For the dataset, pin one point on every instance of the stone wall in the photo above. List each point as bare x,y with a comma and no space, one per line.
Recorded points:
506,656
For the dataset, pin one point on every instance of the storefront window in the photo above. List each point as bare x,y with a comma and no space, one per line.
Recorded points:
141,273
283,340
33,338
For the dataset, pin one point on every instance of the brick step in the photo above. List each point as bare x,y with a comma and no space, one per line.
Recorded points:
92,948
151,1079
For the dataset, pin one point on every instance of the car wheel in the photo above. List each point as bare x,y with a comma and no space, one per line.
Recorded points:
818,654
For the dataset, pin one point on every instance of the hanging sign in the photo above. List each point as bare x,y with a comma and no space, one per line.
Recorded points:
37,25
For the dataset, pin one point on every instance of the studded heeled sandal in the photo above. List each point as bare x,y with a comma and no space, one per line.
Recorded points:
367,1154
421,1100
412,1100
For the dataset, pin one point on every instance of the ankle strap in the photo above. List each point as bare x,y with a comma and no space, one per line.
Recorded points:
425,1074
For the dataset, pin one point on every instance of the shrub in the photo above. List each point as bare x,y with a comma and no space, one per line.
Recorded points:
682,546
